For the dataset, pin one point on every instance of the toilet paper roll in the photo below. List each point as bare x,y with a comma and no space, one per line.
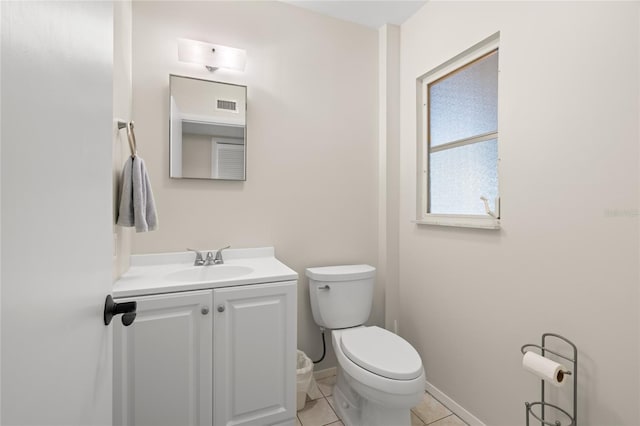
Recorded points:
544,368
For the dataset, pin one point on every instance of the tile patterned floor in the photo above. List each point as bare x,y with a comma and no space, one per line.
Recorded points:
319,409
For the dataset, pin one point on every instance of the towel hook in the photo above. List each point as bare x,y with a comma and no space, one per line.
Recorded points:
131,136
132,139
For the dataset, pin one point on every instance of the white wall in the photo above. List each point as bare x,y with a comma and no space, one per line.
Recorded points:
311,188
389,167
566,258
122,93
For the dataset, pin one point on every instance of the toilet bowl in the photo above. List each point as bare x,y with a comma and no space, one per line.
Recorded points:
381,388
380,375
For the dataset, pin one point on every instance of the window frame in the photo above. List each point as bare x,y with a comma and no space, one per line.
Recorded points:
459,62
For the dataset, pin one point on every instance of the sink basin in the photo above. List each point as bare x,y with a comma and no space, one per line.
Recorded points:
209,273
174,272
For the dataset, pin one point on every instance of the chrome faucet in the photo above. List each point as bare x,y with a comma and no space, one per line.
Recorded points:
211,259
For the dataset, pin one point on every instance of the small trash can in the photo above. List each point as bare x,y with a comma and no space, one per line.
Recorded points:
304,371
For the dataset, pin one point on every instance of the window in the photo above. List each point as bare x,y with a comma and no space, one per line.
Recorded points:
458,147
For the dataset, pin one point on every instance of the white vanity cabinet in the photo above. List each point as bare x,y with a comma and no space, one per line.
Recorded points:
163,362
254,361
223,356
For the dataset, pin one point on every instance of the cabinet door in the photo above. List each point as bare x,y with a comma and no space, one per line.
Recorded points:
163,362
255,354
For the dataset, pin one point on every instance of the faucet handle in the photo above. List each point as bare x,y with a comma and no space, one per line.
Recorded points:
218,259
199,259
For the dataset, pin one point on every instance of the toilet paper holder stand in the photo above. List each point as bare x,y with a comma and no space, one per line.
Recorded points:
543,403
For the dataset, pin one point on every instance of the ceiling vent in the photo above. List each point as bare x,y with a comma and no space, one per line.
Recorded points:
226,105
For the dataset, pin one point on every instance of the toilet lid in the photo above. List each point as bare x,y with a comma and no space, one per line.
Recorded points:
381,352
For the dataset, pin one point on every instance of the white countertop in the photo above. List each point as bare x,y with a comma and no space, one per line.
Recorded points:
151,273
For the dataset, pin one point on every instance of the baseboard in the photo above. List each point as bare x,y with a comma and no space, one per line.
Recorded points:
456,408
327,372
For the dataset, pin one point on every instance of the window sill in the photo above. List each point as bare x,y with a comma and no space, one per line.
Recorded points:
461,221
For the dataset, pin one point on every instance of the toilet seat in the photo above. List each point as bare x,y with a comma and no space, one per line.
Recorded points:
381,352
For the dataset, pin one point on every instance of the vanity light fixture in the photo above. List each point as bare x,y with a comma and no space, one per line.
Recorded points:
212,56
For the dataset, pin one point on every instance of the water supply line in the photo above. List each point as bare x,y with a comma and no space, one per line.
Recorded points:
324,347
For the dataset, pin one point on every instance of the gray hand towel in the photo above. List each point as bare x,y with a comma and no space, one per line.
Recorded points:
137,206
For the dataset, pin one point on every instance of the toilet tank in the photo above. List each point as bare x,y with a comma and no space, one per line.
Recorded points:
341,296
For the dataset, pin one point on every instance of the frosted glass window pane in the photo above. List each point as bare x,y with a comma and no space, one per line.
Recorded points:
459,176
465,104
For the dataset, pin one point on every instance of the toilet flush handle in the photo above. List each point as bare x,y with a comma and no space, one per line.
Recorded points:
324,287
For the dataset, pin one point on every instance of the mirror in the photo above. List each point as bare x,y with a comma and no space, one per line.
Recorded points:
207,131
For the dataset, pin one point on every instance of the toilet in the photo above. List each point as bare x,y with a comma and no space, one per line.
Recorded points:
380,375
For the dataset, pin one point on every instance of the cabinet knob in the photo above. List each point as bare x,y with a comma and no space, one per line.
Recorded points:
220,308
204,310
